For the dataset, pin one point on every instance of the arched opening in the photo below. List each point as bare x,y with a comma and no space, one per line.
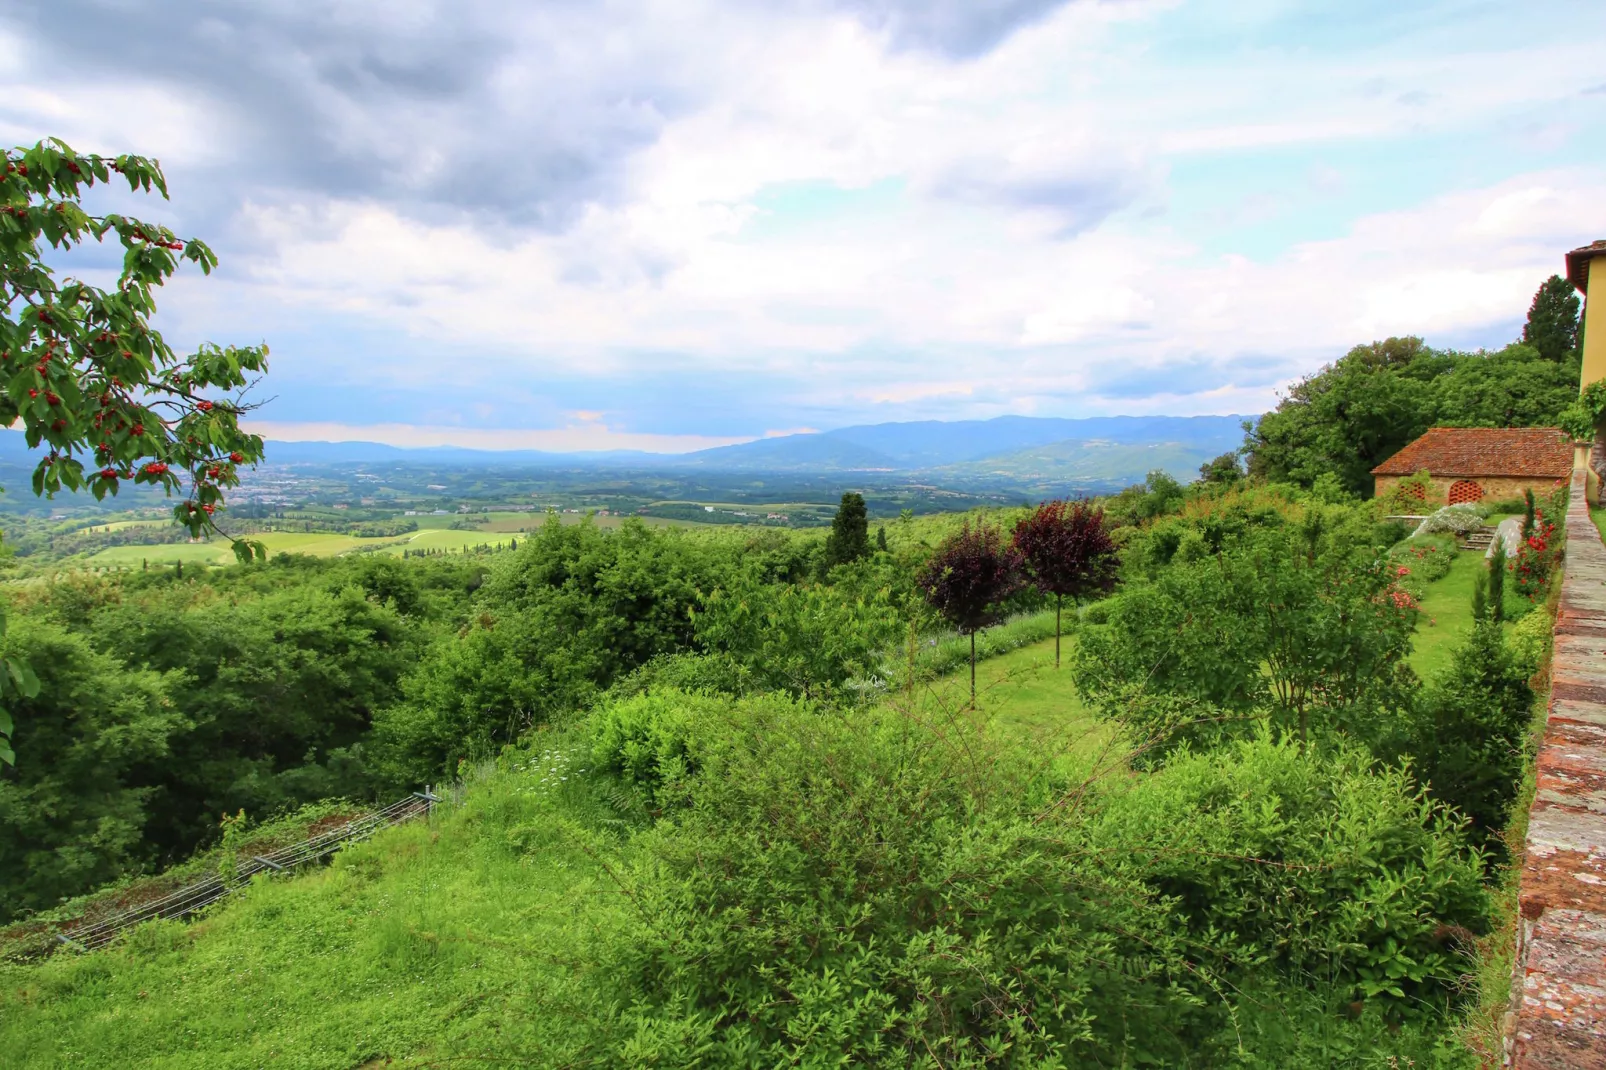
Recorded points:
1464,491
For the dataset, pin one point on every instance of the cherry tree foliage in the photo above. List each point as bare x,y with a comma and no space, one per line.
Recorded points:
86,377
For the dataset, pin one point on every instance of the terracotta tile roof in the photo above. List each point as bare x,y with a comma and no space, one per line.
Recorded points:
1578,263
1513,452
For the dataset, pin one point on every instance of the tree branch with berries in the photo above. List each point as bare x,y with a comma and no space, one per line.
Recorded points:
83,373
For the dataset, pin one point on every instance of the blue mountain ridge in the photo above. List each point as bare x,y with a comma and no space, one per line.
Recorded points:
886,447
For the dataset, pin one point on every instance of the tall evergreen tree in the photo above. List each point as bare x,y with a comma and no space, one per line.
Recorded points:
850,532
1552,326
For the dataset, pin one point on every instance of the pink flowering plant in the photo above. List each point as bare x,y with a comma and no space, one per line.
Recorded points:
1419,561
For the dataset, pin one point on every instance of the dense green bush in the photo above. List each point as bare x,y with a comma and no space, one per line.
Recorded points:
1298,624
649,740
1321,868
1467,743
865,888
75,809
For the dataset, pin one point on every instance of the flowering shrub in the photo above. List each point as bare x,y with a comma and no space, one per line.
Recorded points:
1418,562
1458,519
1536,559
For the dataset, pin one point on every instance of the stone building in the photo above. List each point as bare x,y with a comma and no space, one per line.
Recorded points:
1469,464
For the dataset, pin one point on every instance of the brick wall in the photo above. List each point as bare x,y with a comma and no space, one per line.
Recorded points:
1558,1015
1494,489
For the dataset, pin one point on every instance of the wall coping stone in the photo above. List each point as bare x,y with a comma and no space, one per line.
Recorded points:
1558,1015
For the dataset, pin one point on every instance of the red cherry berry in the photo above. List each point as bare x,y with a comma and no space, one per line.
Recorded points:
237,457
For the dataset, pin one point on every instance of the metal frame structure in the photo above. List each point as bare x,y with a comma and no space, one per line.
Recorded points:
195,897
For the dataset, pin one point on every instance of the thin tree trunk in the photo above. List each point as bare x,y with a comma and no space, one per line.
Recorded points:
1059,600
972,670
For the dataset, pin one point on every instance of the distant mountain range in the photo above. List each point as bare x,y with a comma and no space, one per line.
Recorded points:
1021,450
1101,444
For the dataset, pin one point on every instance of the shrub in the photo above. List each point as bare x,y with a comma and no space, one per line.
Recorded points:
1423,560
864,888
1456,519
1467,743
647,740
1529,641
1315,865
1292,624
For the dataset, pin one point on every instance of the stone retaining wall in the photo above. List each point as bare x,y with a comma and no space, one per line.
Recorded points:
1558,1017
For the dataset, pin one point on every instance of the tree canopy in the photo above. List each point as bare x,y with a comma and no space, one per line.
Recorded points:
850,531
1355,413
1553,323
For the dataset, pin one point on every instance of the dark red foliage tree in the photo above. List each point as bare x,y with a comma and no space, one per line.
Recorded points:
969,581
1068,552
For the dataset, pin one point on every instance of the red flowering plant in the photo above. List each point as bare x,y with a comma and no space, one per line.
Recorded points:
1418,562
1536,559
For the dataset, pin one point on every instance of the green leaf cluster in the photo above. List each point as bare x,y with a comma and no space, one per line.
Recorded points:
1360,410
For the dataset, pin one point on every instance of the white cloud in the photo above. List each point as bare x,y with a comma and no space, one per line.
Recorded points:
589,436
1018,251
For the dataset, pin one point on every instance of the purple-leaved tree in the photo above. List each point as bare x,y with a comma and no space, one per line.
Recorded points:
1068,552
968,581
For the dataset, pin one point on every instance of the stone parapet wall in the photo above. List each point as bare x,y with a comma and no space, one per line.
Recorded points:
1558,1017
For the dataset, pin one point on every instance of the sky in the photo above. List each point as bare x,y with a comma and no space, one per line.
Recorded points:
670,225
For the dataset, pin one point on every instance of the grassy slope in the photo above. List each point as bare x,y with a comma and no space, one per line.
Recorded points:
429,944
430,941
449,942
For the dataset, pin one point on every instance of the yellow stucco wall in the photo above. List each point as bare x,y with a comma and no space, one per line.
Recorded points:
1595,325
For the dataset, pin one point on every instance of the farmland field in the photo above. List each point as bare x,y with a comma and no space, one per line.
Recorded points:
504,528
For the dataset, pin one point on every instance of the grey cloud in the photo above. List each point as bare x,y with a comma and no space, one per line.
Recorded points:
505,114
458,106
1080,194
961,29
1191,375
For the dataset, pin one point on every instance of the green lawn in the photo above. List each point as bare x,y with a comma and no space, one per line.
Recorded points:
1447,613
1021,694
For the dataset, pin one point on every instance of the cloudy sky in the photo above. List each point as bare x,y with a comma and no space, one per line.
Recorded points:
665,225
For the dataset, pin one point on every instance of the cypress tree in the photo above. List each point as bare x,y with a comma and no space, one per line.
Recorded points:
1497,582
850,532
881,538
1552,326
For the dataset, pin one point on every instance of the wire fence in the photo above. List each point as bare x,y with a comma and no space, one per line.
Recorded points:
192,898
